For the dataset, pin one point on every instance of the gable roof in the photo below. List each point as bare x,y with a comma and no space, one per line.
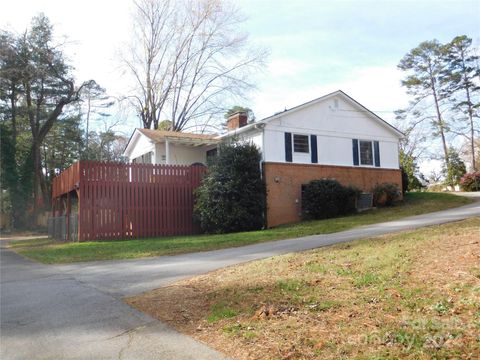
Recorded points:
352,101
199,139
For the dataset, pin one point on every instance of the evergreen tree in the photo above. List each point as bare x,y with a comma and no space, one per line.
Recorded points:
63,146
231,197
425,66
16,180
237,108
165,125
460,83
36,87
456,168
410,167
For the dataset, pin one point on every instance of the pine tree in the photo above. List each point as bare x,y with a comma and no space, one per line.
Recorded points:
36,87
231,197
425,66
456,168
460,83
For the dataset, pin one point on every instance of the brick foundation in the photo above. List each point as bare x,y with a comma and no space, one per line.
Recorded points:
284,183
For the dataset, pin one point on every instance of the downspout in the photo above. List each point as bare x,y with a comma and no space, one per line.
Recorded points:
262,128
262,175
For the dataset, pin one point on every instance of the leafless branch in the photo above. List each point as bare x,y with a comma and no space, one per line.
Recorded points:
185,56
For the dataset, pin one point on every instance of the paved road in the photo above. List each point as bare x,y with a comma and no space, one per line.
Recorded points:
75,311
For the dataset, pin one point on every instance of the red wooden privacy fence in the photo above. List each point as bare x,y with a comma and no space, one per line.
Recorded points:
117,201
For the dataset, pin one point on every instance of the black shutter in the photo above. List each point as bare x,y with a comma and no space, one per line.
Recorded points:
355,151
376,147
313,148
288,147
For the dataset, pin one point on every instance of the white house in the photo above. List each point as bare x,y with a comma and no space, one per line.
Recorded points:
333,136
169,147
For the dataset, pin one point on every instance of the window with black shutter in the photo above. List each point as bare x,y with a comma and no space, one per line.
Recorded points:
366,153
300,143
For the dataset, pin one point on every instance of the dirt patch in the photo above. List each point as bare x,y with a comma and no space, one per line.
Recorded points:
410,295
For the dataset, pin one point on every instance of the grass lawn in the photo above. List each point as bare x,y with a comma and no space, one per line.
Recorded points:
411,295
54,252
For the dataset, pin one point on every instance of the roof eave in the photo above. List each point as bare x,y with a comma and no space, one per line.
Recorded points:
253,126
312,102
126,151
196,141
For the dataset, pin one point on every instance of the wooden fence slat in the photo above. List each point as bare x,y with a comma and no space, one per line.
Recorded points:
117,201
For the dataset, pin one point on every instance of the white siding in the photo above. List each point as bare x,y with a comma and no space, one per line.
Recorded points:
256,139
274,149
389,155
334,151
142,145
335,128
182,154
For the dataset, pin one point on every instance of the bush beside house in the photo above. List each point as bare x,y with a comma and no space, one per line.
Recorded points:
327,198
385,194
231,197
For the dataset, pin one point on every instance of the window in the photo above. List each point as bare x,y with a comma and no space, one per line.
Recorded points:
366,153
147,158
211,154
300,143
143,159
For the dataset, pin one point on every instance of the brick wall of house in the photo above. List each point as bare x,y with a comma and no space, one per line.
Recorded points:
284,183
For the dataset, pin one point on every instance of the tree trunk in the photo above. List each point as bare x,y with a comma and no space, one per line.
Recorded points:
472,132
470,116
441,127
40,191
14,114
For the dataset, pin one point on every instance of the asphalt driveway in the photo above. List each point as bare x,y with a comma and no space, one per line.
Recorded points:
75,311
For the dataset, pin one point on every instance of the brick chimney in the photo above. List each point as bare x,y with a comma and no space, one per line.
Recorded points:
237,120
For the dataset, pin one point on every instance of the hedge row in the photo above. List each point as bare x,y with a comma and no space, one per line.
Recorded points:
327,198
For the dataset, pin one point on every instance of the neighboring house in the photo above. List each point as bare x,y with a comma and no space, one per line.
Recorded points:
330,137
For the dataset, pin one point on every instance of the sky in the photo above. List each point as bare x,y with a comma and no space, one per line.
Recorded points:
315,46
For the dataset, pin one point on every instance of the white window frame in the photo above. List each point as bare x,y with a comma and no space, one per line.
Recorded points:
308,142
360,153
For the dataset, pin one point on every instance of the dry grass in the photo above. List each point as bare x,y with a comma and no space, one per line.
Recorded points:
413,295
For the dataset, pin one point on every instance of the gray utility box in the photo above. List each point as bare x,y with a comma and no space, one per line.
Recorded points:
364,201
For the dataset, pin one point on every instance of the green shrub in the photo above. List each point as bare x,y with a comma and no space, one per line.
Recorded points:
385,194
350,205
405,180
231,197
455,169
327,198
470,181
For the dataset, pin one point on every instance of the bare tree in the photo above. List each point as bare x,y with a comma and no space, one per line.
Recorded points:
185,57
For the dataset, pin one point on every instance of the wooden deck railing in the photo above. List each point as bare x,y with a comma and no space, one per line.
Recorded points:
66,180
